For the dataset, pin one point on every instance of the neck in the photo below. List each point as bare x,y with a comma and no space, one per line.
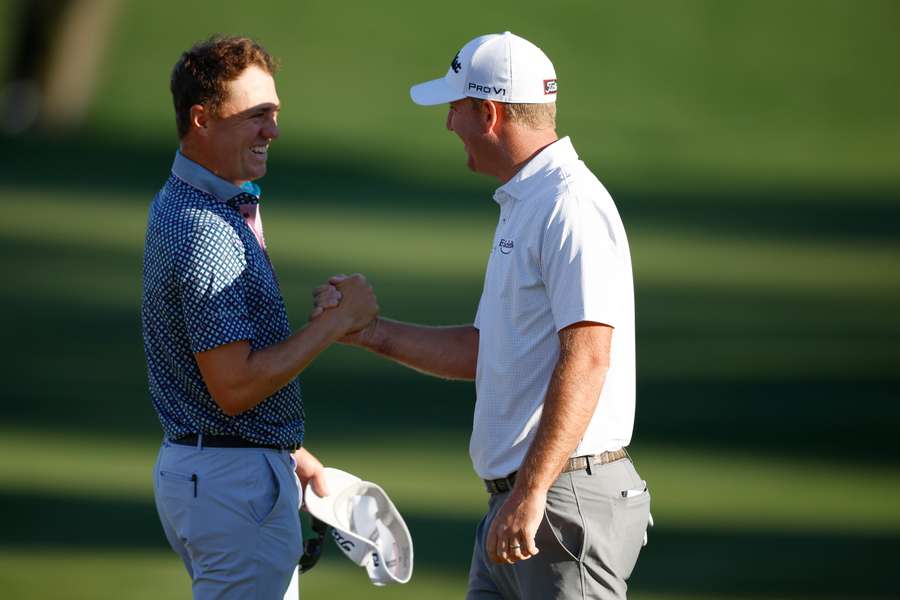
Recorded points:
196,154
520,148
202,155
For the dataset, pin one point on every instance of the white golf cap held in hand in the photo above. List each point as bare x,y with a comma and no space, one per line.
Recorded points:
366,526
497,66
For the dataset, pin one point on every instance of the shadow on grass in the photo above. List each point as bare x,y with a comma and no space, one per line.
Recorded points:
138,169
676,561
80,368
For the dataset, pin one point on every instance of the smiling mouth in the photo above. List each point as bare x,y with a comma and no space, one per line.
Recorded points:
261,151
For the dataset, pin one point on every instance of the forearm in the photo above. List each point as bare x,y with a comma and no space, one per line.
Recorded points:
448,352
569,405
275,366
254,375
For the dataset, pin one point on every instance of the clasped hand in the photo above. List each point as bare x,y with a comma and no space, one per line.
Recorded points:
350,296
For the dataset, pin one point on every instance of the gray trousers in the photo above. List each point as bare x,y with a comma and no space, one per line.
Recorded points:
588,541
231,514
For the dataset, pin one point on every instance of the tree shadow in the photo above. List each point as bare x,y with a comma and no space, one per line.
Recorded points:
80,367
139,168
685,561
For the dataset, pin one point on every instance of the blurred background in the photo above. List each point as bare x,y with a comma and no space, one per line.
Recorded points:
753,149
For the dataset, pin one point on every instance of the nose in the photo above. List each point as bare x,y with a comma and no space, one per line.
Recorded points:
270,129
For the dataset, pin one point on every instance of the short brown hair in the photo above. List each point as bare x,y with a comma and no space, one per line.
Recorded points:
203,71
532,116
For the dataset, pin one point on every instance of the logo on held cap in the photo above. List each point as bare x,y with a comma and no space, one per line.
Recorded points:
345,544
549,86
455,64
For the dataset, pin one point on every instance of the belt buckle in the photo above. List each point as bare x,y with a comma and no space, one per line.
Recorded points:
499,486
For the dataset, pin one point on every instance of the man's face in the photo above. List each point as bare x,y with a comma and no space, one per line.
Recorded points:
238,137
466,120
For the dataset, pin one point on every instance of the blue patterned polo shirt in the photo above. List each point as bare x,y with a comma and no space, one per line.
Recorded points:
207,282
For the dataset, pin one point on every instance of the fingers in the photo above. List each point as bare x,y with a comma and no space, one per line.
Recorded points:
318,483
529,548
506,551
511,536
344,281
325,296
310,471
505,546
515,552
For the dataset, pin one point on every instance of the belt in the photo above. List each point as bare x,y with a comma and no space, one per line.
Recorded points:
225,441
578,463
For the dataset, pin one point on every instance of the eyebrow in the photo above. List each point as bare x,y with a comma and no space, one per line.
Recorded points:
264,109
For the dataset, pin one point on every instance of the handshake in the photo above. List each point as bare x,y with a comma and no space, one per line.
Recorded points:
350,303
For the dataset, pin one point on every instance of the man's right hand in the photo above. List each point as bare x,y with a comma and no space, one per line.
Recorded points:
358,305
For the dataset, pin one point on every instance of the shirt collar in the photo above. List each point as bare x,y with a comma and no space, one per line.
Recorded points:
556,154
205,180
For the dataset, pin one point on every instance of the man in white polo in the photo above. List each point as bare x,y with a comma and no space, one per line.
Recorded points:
552,348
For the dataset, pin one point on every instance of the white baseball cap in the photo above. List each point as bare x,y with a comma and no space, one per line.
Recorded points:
497,66
366,526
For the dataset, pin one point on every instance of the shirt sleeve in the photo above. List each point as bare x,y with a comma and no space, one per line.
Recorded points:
581,266
211,277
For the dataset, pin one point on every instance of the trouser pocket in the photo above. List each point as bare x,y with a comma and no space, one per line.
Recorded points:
561,535
630,523
264,494
175,486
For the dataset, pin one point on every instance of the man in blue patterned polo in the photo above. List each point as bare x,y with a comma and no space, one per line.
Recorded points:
221,357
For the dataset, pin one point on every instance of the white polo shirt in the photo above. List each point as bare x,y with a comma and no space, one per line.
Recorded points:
559,256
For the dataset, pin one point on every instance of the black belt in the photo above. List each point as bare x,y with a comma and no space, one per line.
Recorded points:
225,441
578,463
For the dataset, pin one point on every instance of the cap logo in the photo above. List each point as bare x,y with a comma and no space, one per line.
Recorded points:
455,64
345,544
487,89
549,86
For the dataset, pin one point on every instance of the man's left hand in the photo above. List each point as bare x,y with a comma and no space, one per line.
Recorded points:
310,471
325,296
511,537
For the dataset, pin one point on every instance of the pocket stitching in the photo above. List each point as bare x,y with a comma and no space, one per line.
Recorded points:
584,529
556,536
175,476
278,490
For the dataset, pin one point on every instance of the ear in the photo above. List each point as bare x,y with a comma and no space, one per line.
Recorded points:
491,115
200,119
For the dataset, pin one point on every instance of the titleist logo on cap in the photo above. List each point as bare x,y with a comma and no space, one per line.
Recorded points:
455,64
496,66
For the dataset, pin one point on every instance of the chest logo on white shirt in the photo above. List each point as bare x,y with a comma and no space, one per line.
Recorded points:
506,246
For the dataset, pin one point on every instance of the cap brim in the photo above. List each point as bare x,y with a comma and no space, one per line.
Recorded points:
322,507
434,92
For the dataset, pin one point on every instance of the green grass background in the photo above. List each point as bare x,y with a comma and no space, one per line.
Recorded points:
752,148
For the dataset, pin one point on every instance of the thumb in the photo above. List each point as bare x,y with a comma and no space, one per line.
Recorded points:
319,484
